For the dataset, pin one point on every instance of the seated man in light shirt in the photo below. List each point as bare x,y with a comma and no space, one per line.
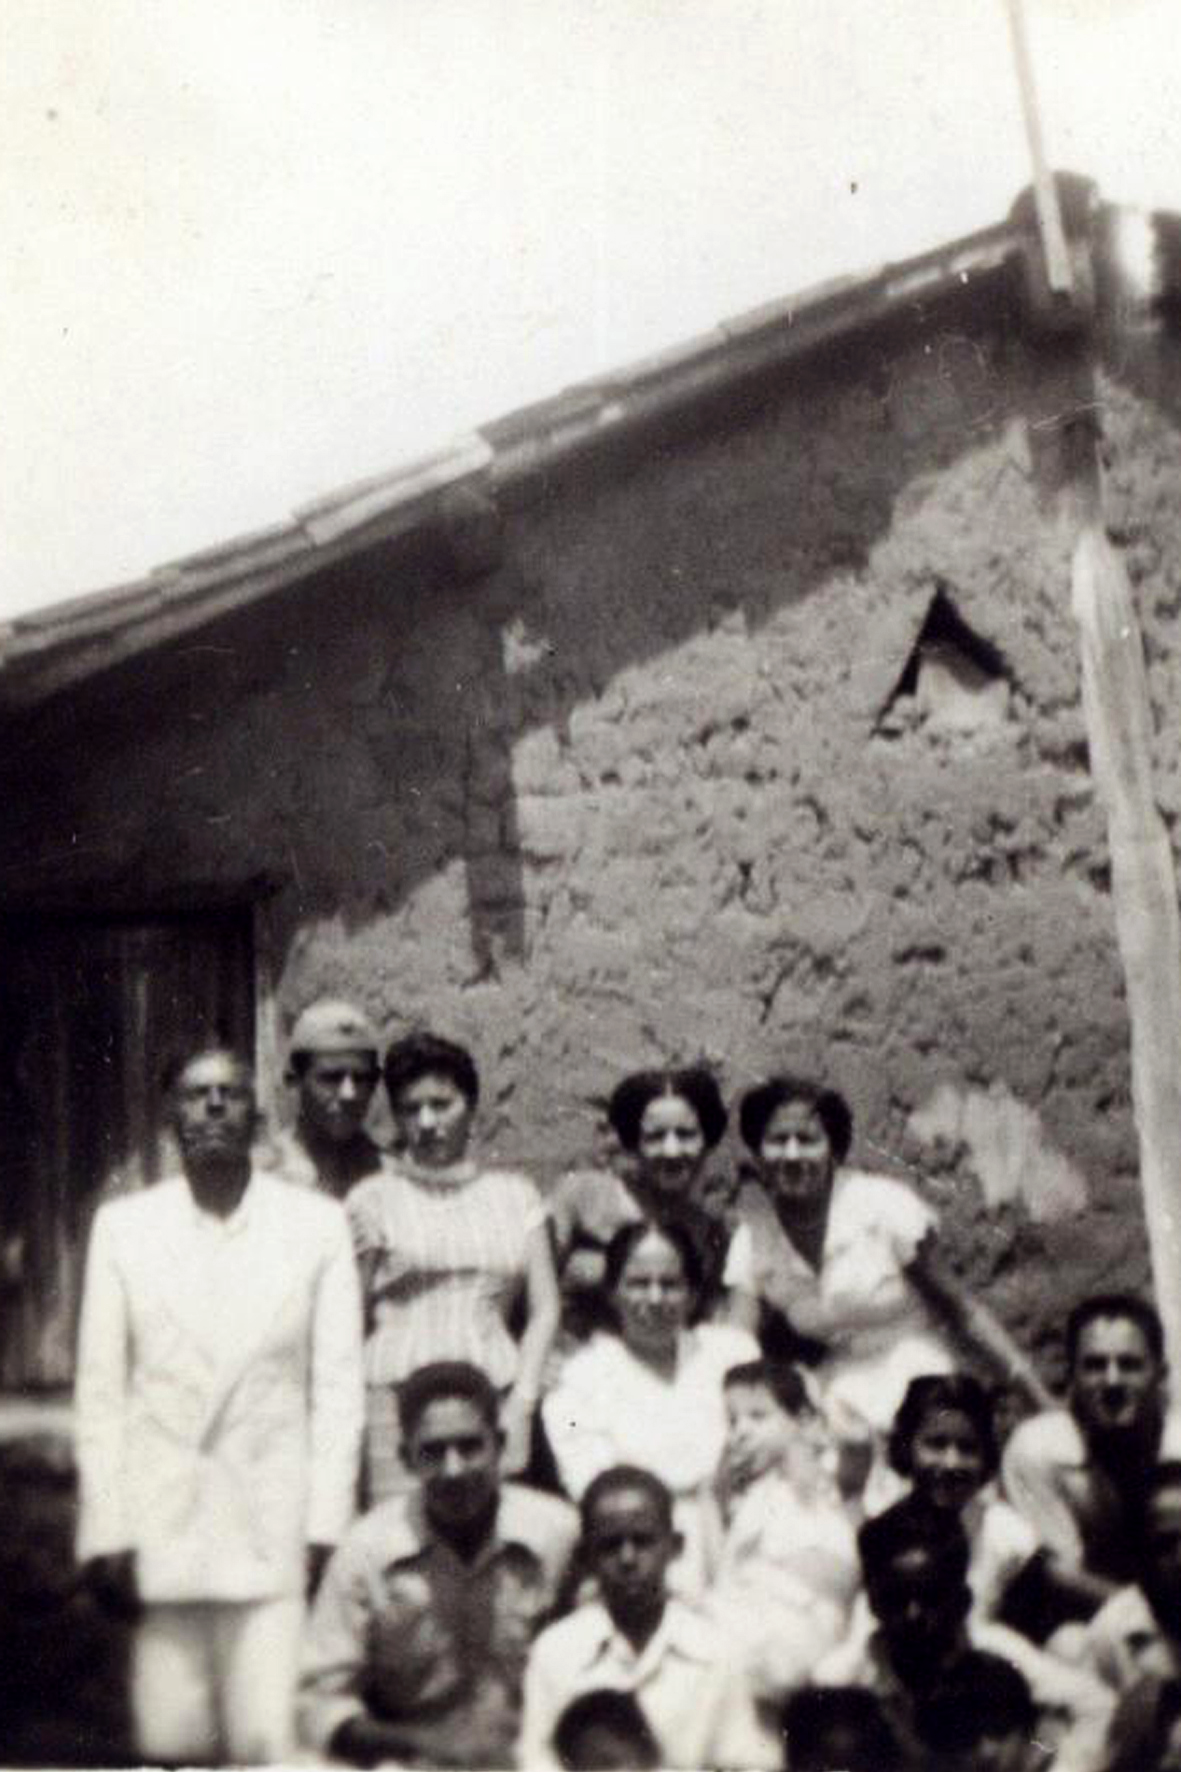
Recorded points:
1075,1473
634,1637
1133,1642
418,1639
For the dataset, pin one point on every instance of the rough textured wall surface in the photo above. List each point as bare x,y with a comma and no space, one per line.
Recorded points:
762,745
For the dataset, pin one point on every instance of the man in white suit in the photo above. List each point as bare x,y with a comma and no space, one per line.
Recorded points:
219,1410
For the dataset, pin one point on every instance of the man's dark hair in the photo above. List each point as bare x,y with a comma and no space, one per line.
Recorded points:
934,1392
605,1708
979,1695
621,1477
428,1055
619,1250
694,1084
829,1106
811,1715
444,1380
1126,1307
908,1527
176,1066
777,1377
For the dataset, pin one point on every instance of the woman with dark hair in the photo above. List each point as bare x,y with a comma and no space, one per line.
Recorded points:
649,1391
850,1260
664,1124
446,1249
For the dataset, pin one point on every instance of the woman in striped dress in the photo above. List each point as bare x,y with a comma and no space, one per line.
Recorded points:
446,1248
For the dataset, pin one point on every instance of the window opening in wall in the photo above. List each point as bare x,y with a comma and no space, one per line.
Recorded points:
953,679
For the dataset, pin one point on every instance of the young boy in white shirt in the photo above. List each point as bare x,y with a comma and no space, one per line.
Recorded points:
636,1637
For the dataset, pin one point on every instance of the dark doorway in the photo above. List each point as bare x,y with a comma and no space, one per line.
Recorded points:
94,1010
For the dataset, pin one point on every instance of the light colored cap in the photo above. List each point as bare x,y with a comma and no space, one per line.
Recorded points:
330,1025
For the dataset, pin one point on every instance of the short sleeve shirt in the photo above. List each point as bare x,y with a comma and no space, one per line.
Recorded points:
876,1226
687,1680
444,1261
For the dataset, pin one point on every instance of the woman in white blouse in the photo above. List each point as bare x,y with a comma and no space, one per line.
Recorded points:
446,1248
650,1392
850,1260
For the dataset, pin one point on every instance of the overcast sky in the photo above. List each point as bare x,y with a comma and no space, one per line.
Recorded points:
255,249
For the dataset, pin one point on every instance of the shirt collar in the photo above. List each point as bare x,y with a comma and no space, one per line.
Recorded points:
681,1631
236,1222
441,1180
512,1527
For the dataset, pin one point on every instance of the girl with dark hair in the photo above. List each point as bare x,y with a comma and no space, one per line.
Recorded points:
663,1124
447,1249
649,1391
944,1443
851,1260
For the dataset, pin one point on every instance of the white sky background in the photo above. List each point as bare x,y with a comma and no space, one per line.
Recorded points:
255,249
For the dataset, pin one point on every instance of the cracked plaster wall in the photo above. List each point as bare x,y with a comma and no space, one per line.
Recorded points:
632,799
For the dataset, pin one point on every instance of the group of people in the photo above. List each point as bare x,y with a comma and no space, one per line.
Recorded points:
394,1460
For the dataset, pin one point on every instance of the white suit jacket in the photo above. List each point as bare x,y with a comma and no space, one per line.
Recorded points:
218,1434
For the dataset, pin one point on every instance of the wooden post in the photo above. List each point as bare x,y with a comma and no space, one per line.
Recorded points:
1045,193
1118,713
1143,885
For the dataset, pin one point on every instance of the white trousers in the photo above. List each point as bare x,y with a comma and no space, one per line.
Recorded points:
213,1682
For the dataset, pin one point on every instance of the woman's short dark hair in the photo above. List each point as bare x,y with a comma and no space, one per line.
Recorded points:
830,1106
950,1390
428,1055
694,1084
628,1236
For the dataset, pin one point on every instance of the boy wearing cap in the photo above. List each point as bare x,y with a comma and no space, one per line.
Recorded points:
333,1065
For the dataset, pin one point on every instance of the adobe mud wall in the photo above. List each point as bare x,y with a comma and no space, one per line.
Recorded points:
763,744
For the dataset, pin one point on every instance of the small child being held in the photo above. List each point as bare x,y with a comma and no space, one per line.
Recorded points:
788,1567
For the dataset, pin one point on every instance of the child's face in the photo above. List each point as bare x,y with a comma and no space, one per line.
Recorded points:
947,1459
758,1431
629,1546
